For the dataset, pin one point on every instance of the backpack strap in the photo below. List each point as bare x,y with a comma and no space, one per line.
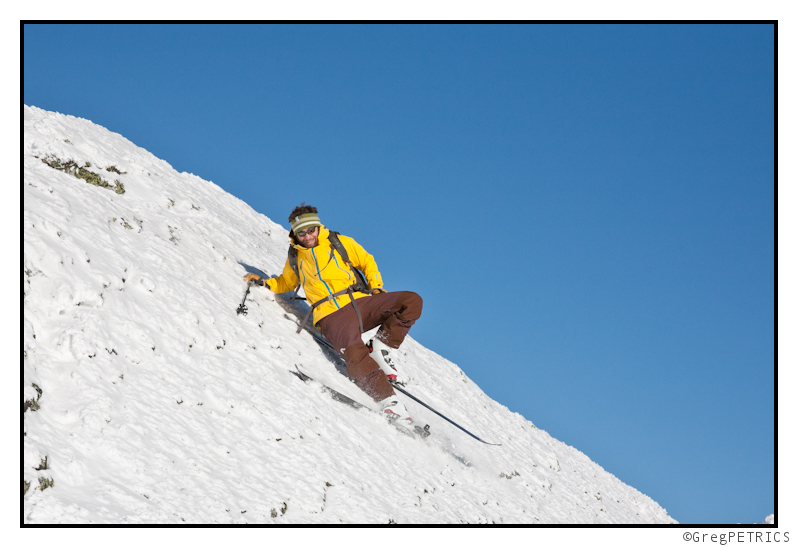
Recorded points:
339,247
292,262
360,281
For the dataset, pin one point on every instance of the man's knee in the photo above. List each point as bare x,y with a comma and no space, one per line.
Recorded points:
415,302
411,305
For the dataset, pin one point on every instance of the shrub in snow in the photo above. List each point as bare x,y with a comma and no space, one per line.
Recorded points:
82,173
32,404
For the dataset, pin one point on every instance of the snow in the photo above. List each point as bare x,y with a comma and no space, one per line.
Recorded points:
160,405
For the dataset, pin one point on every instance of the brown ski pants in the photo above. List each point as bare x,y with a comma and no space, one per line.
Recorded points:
394,312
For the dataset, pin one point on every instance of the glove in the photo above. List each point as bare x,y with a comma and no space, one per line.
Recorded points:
377,290
252,278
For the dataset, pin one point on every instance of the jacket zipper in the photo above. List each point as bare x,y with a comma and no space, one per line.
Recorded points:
318,271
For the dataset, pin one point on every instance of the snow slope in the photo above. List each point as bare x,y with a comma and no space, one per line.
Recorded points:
150,401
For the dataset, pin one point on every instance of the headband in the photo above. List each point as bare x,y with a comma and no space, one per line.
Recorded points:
304,221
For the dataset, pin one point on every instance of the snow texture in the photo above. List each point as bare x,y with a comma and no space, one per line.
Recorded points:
148,400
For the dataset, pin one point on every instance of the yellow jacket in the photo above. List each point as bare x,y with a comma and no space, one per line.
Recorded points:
322,272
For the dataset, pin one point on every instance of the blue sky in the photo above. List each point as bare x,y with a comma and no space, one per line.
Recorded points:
587,210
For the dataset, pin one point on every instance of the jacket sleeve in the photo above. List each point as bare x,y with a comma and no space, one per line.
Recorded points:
287,281
364,261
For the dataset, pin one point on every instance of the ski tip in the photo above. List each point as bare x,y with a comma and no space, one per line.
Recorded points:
300,374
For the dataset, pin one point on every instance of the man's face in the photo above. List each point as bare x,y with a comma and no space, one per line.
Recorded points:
309,237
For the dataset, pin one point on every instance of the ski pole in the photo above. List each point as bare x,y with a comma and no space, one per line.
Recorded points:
409,395
242,308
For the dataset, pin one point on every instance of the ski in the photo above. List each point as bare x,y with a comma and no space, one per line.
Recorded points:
418,431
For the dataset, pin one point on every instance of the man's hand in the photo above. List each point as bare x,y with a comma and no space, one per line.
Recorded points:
254,278
377,290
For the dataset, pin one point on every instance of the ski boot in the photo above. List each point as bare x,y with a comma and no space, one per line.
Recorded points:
396,412
382,354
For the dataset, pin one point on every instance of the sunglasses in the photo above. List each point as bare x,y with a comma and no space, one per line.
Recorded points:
304,233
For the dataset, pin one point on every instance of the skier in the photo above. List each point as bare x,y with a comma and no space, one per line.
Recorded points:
343,309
